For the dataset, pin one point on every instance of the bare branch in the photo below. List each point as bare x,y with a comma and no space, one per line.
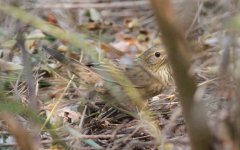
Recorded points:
23,139
27,69
177,48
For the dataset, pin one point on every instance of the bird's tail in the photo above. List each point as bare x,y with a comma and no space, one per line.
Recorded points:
83,72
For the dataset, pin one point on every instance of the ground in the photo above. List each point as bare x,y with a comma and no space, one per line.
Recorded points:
73,116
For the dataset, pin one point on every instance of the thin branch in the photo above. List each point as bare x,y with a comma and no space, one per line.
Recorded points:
27,69
112,5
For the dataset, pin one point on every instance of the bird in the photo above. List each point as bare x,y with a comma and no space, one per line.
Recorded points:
148,74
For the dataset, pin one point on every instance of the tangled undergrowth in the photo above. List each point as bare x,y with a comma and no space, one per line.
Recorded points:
61,112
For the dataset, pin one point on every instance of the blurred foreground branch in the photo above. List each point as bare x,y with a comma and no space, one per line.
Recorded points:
23,139
27,69
194,113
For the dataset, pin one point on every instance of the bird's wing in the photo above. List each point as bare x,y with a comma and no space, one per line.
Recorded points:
81,71
100,72
134,72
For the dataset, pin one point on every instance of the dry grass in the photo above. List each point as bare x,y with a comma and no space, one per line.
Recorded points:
67,119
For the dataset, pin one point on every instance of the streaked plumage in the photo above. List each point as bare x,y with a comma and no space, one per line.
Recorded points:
150,73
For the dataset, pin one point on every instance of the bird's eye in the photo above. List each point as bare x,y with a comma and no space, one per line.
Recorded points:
157,54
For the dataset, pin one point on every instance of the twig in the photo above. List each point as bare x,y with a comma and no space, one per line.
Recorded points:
195,18
27,69
126,4
73,138
82,118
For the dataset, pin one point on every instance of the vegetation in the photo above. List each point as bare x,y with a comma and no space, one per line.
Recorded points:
71,73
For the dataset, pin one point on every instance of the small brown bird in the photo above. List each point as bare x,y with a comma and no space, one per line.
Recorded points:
149,74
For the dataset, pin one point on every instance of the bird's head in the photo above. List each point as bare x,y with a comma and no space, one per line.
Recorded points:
154,58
